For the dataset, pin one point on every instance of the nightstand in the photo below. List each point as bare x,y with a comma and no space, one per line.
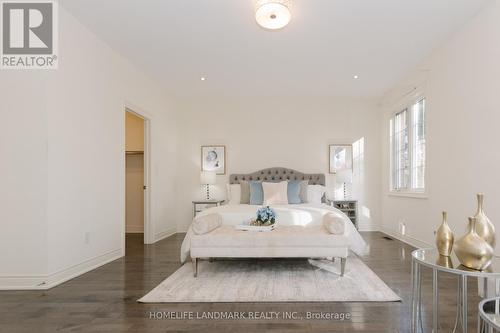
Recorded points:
349,208
206,203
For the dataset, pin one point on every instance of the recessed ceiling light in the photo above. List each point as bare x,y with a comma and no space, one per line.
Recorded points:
356,77
203,78
272,14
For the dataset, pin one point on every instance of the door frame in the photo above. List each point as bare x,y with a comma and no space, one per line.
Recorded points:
148,228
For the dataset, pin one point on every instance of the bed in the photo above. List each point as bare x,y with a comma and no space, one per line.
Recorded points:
299,233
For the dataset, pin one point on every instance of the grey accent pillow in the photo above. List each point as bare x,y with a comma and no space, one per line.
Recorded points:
303,191
245,192
256,193
293,192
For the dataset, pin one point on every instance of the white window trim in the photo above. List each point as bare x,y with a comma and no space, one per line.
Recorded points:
407,103
409,194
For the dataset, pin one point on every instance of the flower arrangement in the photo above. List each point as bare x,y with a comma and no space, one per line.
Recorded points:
265,216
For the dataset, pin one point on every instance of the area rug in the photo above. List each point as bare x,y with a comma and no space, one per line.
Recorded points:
272,280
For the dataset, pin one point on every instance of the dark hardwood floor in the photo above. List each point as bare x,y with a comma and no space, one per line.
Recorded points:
104,300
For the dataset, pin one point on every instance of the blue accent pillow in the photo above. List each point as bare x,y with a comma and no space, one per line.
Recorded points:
256,193
293,192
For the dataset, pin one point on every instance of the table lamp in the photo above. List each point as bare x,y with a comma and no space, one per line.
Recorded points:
208,178
344,177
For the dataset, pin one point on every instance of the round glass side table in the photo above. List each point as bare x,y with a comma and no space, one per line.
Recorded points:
431,258
489,315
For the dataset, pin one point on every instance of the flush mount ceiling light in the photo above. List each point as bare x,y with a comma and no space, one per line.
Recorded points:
272,14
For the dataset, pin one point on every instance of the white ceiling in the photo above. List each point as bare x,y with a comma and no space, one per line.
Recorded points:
318,53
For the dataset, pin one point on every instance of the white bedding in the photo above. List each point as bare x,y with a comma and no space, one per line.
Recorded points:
300,214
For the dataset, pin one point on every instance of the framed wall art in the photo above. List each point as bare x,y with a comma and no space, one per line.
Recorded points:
340,157
213,158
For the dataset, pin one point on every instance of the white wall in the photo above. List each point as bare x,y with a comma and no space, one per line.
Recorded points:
66,142
461,81
23,166
269,132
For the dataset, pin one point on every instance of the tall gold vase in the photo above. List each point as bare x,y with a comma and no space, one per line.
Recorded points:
484,228
444,237
473,251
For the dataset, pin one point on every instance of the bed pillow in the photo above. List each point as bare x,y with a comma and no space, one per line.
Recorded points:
205,223
233,194
315,194
293,192
275,193
303,191
256,193
334,223
245,192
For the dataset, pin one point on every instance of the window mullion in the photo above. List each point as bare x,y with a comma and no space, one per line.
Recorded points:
392,184
407,150
411,145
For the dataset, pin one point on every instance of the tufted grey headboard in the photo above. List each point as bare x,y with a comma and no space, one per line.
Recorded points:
279,174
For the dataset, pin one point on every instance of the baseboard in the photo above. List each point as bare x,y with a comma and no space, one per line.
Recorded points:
405,239
368,227
31,282
44,282
134,229
164,234
90,264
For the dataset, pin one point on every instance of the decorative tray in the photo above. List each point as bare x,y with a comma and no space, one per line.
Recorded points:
247,227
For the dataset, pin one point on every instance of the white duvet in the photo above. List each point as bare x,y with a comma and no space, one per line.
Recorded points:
301,214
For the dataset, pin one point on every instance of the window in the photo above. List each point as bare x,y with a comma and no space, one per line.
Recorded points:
407,136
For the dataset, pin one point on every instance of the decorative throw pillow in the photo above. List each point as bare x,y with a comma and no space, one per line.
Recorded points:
245,192
233,194
256,193
334,223
275,193
203,224
303,190
315,193
293,192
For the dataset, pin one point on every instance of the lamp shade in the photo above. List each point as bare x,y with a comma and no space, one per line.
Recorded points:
344,176
208,177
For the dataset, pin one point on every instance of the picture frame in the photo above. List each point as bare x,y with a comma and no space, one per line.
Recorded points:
340,157
213,158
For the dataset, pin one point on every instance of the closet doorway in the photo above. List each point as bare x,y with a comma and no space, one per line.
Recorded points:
136,176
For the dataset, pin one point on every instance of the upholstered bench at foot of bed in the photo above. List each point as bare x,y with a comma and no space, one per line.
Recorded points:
283,242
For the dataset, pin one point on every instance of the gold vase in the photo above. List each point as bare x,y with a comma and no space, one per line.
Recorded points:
444,237
484,228
473,251
444,261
